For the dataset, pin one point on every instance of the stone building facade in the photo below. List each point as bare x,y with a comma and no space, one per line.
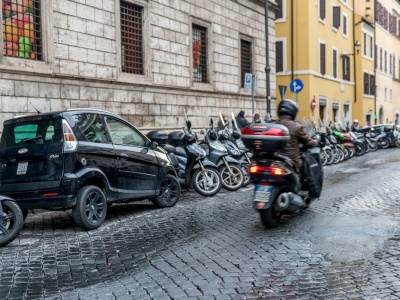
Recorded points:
150,61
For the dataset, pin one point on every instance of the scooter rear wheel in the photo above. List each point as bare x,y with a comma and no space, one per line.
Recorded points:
269,217
207,183
11,223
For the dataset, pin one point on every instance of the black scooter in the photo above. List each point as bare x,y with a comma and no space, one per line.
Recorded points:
11,220
229,168
279,188
189,159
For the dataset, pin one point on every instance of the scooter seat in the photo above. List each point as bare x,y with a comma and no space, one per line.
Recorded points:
176,150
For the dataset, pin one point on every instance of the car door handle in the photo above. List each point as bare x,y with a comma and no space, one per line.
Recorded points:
124,155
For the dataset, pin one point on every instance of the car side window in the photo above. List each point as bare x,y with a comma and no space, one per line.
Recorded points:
122,134
91,127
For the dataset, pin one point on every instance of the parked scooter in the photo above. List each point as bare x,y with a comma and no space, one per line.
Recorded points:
230,144
189,159
391,138
279,188
236,139
229,168
11,220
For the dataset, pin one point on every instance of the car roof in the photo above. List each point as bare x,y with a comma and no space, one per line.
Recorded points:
70,110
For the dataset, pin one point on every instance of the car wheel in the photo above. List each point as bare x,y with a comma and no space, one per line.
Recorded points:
90,209
170,191
11,223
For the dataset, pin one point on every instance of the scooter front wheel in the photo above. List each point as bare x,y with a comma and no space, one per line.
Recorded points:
232,177
207,183
397,142
247,179
384,143
11,221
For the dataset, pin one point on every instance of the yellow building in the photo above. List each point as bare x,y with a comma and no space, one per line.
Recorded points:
315,43
364,106
387,17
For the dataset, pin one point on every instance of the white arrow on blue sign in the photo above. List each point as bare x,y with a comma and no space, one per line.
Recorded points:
296,86
248,80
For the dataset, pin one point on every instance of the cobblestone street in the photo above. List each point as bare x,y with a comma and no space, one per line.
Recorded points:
345,246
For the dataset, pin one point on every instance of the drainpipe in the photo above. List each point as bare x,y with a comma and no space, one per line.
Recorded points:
268,67
292,37
355,57
375,62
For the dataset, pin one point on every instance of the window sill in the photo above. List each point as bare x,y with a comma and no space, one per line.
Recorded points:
136,78
204,86
26,65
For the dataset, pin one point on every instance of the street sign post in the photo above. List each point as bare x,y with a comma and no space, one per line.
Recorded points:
296,86
251,85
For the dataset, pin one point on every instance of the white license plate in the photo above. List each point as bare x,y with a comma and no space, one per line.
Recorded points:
262,193
22,168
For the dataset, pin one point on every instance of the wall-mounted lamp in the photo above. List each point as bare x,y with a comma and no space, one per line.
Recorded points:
357,47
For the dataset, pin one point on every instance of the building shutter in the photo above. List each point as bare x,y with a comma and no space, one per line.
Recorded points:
322,9
322,58
372,84
394,66
279,56
334,65
336,16
346,67
366,84
279,11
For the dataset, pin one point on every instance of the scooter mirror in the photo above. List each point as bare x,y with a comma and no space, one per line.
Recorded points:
234,124
211,123
188,124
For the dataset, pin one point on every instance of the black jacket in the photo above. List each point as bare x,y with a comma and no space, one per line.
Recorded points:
241,121
297,136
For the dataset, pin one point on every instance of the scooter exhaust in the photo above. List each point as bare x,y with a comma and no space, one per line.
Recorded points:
289,202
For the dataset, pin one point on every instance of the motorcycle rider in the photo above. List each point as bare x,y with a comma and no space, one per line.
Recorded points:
354,126
287,111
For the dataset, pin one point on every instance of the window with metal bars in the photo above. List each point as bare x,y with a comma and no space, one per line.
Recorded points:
131,38
22,29
245,57
199,48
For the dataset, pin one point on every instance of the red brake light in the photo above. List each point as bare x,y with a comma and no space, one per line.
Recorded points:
253,169
273,171
277,171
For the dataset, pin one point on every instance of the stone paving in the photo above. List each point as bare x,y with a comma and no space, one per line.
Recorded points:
345,246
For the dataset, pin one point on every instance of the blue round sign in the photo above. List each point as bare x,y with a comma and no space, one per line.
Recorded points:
296,86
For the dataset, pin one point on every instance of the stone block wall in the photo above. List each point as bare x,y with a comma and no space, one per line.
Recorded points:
82,62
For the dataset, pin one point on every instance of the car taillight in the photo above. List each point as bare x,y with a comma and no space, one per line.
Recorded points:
50,194
273,171
70,142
